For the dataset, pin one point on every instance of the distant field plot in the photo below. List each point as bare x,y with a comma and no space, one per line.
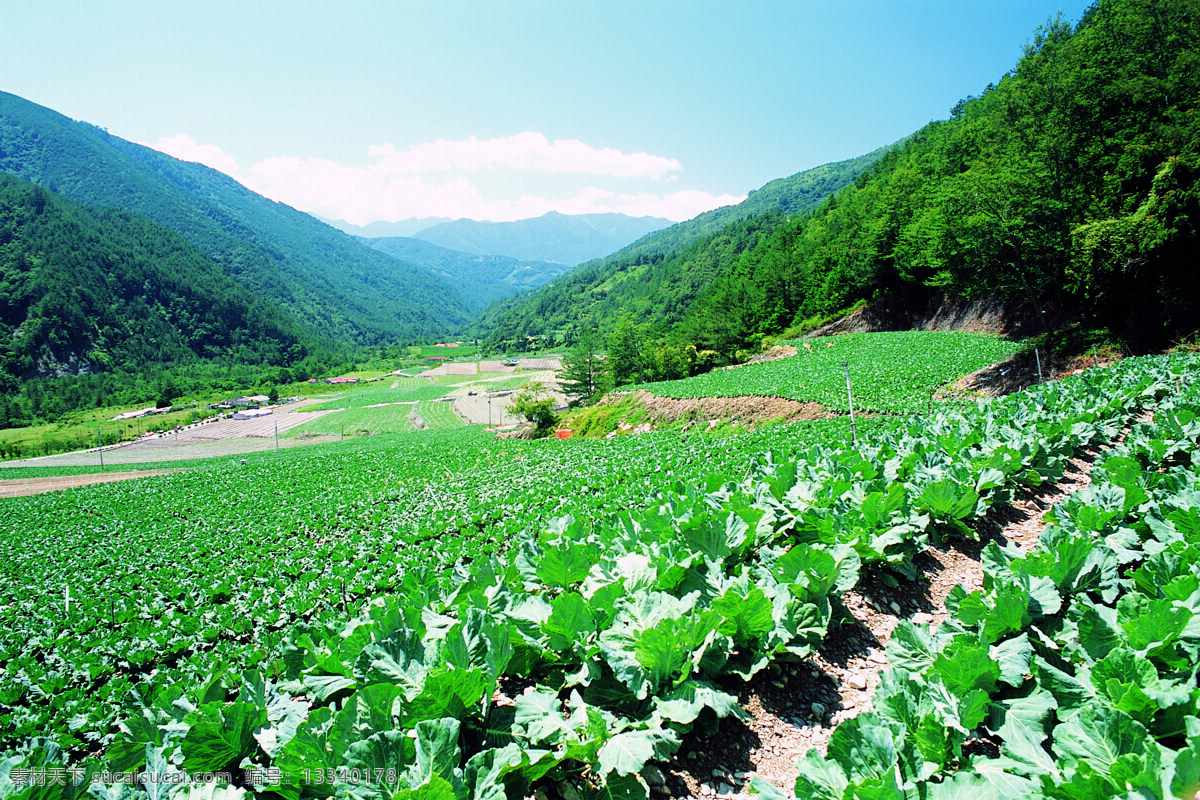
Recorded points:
355,398
403,381
515,382
889,372
495,366
540,363
470,369
500,383
439,415
390,418
453,380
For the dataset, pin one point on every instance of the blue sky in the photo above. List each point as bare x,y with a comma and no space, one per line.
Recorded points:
498,109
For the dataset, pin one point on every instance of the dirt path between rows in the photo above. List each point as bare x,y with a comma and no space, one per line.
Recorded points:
23,487
798,707
747,409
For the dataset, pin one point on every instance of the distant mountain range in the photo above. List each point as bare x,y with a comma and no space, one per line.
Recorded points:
565,239
404,227
552,238
479,279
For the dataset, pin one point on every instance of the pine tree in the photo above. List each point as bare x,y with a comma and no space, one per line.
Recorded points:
582,370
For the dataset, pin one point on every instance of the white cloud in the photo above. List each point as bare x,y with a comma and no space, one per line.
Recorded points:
527,151
432,180
185,148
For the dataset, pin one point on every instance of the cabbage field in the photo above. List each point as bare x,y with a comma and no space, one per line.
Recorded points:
440,614
893,373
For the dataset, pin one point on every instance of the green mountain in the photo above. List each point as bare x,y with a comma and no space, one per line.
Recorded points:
658,277
479,279
1068,188
87,292
562,238
325,279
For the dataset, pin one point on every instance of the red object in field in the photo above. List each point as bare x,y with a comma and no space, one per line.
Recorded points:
563,434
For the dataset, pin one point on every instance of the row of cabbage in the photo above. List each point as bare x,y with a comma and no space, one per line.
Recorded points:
604,642
1073,672
107,588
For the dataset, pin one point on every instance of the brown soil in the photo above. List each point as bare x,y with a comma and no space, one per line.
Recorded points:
799,706
744,410
22,487
775,353
1021,371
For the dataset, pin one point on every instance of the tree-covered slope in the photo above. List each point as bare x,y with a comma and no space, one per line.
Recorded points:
479,279
322,277
659,276
1070,186
91,290
795,194
564,238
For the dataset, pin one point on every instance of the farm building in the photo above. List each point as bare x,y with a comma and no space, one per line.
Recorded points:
142,412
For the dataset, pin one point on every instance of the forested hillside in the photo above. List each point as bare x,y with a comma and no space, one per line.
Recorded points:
795,194
657,277
1069,185
324,278
95,301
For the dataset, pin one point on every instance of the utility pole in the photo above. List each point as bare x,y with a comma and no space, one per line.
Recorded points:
100,444
850,399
